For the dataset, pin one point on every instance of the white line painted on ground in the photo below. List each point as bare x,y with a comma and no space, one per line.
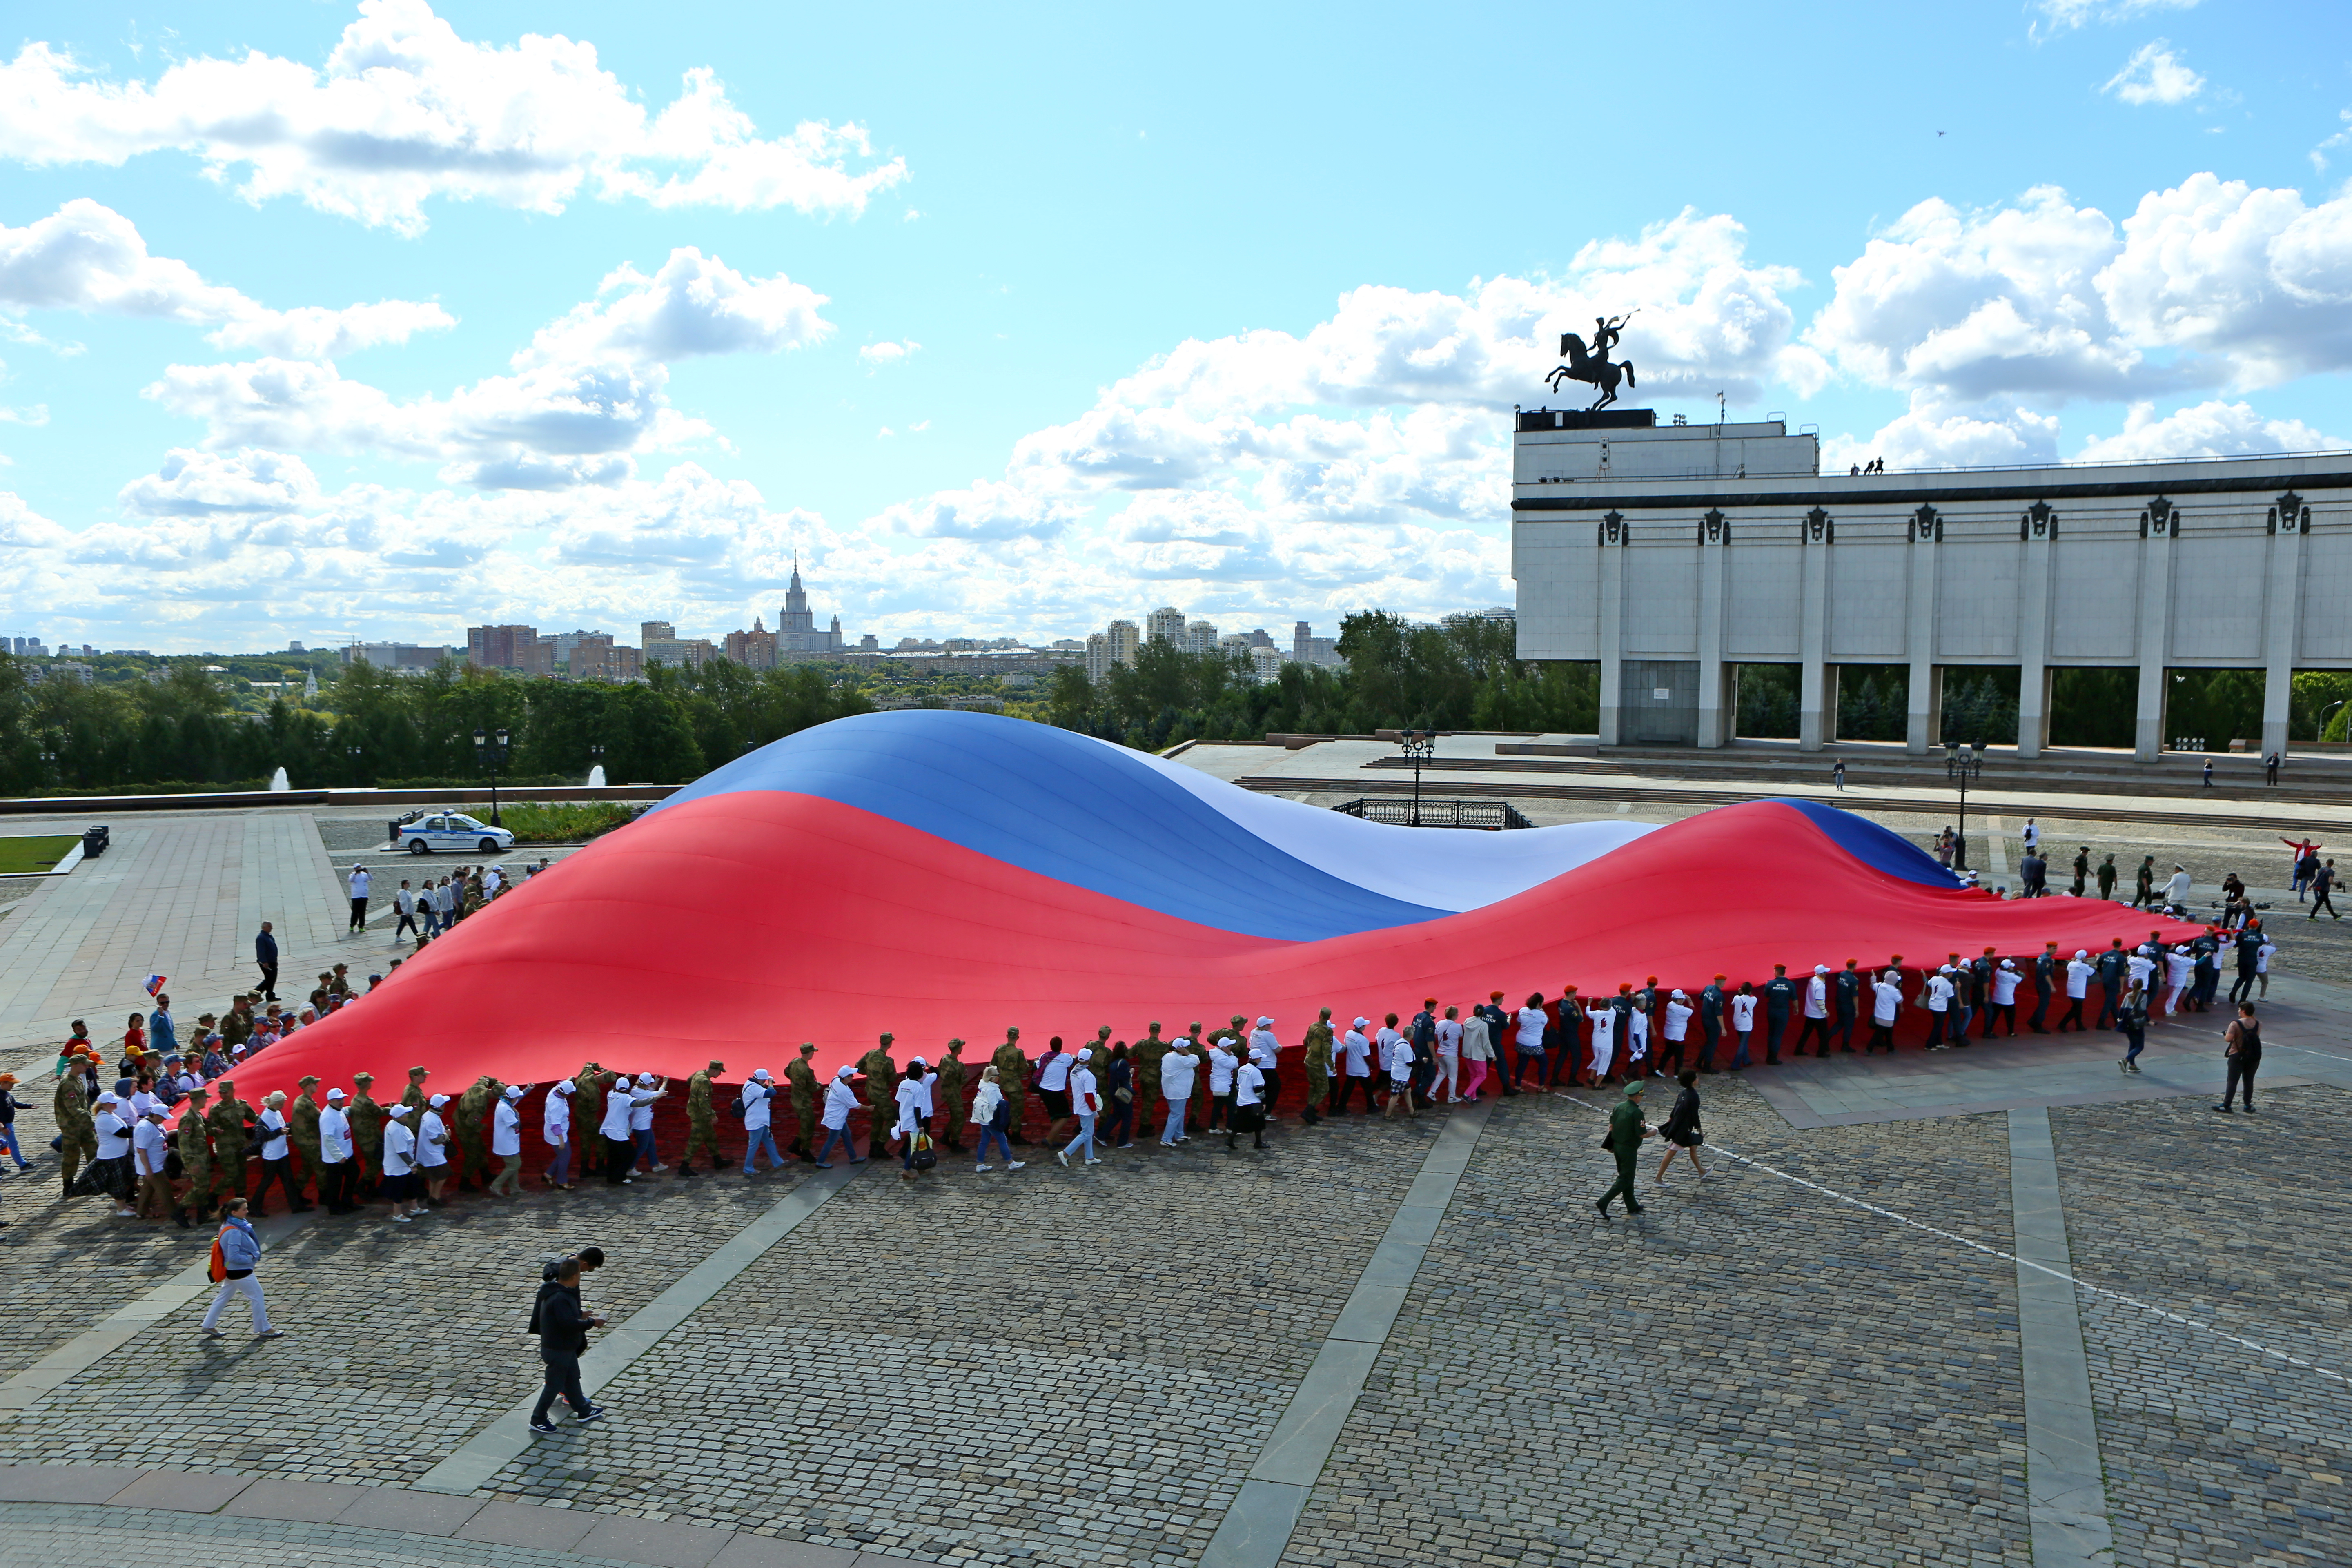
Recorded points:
2074,1279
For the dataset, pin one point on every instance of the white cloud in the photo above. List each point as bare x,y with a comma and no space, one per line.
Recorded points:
2155,75
588,395
204,484
2213,429
1929,436
879,354
2065,15
2341,139
406,110
88,258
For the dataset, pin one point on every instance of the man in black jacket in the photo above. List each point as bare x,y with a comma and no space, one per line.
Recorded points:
563,1330
1779,996
264,954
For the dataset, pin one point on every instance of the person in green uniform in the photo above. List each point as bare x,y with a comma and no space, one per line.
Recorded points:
2108,878
1012,1077
470,1136
1626,1130
77,1134
414,1095
1318,1067
588,1107
196,1152
948,1095
367,1138
237,1027
881,1094
227,1121
701,1122
1146,1054
802,1080
302,1128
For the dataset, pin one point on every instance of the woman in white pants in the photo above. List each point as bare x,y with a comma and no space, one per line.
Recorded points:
1604,1038
240,1256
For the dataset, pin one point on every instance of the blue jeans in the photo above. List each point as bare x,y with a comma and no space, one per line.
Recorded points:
762,1138
1002,1148
1086,1137
9,1141
643,1137
560,1173
1175,1121
2138,1038
838,1135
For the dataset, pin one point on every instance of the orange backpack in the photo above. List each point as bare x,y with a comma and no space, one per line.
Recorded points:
217,1270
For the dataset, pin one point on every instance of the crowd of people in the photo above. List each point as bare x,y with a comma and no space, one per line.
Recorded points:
165,1135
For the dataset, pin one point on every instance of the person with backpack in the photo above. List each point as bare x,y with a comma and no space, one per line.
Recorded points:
237,1253
914,1102
993,1114
562,1325
757,1105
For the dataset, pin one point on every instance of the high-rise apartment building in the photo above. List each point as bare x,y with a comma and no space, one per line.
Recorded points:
1306,648
503,647
1200,636
755,649
1125,639
1165,625
1098,660
651,632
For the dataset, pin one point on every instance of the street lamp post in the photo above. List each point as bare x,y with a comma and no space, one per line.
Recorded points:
1420,745
1961,764
492,754
353,752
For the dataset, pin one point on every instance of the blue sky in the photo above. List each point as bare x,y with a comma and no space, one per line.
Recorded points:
321,320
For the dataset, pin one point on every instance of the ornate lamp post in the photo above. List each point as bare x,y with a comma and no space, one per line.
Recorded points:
1961,764
492,754
353,752
1419,746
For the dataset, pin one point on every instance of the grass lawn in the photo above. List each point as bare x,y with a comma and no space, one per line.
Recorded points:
40,854
540,823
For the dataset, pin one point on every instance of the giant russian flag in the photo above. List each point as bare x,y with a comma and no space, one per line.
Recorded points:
939,874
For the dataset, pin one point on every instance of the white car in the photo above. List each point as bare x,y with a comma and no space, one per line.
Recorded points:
425,831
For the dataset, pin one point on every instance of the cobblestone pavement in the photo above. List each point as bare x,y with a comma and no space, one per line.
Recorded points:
2214,1454
1047,1367
1744,1374
44,1535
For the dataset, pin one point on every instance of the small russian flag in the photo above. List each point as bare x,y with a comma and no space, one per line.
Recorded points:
157,982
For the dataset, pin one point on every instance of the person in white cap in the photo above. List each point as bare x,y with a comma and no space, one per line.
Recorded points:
1085,1103
620,1149
840,1100
913,1099
398,1186
335,1179
240,1255
149,1150
1603,1015
990,1115
506,1141
2178,965
1935,995
1354,1067
1250,1103
1266,1052
1885,1006
641,1121
1177,1071
1816,1026
432,1150
2006,978
555,1126
2079,973
1677,1030
758,1102
1225,1055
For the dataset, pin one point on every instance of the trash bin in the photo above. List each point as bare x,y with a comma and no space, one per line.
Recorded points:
93,842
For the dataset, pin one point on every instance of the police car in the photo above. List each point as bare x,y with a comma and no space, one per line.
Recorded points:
423,832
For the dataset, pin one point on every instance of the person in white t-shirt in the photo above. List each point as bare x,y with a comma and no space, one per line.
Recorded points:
1885,1006
1224,1059
1053,1087
400,1180
555,1127
1354,1067
914,1110
840,1100
1637,1037
1527,1042
1250,1104
1085,1104
1935,995
506,1141
337,1172
2079,973
2006,978
2178,965
1604,1038
1677,1030
1449,1057
1396,1054
1816,1026
1743,1023
641,1124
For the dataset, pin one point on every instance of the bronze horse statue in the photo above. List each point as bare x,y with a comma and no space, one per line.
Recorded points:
1594,366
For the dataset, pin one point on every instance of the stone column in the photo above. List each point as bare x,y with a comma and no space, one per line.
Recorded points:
2290,523
1925,694
2038,532
1612,610
2159,525
1815,533
1714,721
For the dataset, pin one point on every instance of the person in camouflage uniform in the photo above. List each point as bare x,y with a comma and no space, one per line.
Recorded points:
588,1108
881,1094
235,1030
227,1122
367,1138
78,1131
1012,1077
1318,1067
467,1132
951,1096
1146,1054
196,1152
414,1095
302,1130
701,1122
805,1090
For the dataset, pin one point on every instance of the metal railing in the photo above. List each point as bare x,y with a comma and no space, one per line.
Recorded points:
1399,812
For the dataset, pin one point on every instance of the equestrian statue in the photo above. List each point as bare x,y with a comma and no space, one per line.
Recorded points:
1594,366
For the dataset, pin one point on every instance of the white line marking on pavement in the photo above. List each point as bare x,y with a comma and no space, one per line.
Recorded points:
2074,1279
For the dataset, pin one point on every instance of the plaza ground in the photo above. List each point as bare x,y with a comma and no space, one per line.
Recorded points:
1373,1342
